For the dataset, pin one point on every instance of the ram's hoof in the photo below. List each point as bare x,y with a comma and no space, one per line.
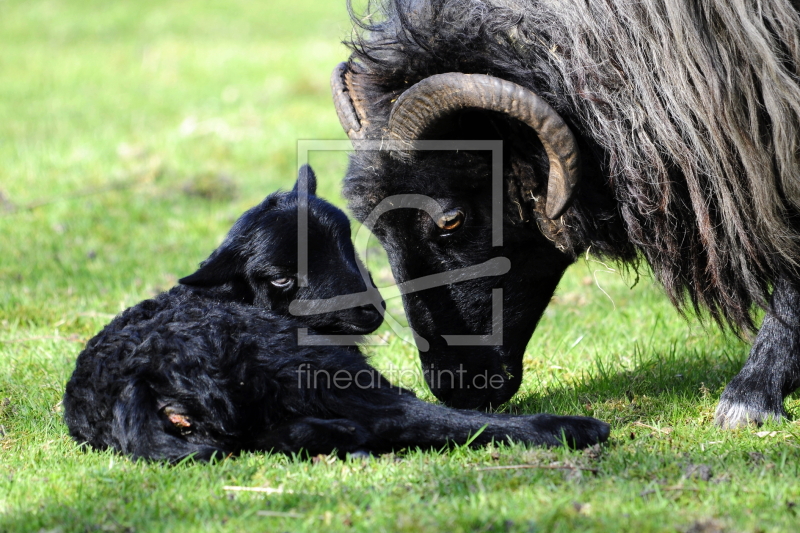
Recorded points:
737,414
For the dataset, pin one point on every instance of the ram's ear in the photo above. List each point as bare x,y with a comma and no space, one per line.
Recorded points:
221,267
306,175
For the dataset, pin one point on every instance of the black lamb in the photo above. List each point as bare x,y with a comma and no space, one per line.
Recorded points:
214,366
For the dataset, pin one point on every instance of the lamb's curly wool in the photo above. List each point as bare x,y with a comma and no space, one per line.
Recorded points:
214,366
193,375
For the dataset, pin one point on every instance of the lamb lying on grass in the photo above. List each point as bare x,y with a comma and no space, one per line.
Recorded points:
213,366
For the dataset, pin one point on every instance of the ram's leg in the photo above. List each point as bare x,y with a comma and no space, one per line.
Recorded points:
772,371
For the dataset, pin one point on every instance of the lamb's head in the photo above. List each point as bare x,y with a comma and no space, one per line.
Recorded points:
259,261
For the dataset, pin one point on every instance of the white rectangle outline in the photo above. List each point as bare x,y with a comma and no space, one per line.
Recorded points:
304,146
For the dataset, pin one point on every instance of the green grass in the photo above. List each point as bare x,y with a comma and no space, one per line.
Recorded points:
133,133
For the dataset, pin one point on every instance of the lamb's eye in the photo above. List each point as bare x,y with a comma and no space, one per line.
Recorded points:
282,283
451,220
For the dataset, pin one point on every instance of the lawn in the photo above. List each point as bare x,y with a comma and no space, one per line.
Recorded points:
132,134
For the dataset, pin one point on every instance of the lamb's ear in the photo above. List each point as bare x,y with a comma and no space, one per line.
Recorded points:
221,267
307,175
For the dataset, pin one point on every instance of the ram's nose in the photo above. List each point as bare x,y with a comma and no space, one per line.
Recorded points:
470,376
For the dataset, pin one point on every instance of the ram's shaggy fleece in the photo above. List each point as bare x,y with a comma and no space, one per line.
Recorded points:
685,117
692,110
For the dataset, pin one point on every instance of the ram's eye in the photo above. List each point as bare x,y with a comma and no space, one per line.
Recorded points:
282,283
451,220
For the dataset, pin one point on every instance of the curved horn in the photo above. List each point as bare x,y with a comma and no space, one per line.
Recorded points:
431,99
348,102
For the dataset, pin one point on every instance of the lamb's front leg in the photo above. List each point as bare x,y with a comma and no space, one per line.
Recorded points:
394,419
425,425
315,436
772,371
358,398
